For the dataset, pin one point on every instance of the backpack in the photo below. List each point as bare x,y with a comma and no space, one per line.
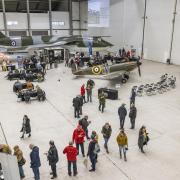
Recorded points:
96,149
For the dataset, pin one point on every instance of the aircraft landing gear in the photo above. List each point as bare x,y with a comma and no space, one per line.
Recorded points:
125,77
124,80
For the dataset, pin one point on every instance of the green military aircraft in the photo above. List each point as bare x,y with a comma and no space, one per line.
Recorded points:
23,44
109,72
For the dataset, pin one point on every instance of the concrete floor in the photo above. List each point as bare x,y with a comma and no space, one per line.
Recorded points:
53,119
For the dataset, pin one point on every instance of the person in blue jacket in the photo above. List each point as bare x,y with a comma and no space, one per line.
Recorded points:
35,161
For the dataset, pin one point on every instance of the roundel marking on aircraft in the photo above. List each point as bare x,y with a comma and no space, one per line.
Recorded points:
96,70
13,43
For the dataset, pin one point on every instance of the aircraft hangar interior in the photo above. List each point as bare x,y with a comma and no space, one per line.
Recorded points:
89,89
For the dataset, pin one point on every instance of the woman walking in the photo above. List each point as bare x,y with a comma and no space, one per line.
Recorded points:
26,127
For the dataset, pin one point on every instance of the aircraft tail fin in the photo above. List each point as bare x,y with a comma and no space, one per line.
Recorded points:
2,35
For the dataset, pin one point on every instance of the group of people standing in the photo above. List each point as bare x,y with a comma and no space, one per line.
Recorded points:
78,137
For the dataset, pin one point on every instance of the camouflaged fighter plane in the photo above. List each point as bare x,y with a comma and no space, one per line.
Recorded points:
114,71
23,44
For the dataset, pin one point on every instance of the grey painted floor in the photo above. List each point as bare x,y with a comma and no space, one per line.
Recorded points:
53,119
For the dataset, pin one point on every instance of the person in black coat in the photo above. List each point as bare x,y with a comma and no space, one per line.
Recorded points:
132,115
26,127
85,123
91,153
80,104
122,112
133,96
35,161
53,158
76,104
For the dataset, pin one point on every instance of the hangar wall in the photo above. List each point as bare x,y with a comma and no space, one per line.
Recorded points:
40,21
126,27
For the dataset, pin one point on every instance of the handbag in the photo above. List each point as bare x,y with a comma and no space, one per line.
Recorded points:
22,162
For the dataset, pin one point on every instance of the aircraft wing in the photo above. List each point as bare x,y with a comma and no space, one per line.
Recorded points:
114,75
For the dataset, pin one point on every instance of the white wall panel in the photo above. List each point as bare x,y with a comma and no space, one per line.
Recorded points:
60,32
39,21
84,14
21,18
1,20
158,29
132,24
61,16
75,10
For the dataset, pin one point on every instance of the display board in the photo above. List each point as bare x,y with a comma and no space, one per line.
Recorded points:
9,167
98,13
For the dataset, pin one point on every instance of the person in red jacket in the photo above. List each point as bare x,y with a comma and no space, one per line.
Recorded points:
83,91
71,153
78,138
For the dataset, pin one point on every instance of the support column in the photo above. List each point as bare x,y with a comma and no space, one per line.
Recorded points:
144,26
4,17
50,17
70,18
28,18
172,34
79,17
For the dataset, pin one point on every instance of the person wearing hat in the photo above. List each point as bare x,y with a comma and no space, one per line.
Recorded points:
122,142
35,161
53,158
143,138
92,154
71,153
78,138
122,112
106,131
20,159
85,123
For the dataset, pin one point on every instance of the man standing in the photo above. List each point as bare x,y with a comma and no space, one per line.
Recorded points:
106,131
78,137
35,161
85,123
102,101
132,115
89,92
122,142
133,96
80,104
76,104
71,153
53,158
122,115
83,91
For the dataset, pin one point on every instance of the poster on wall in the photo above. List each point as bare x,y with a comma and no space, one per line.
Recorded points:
98,13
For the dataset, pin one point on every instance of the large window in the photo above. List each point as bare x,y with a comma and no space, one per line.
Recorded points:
98,13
